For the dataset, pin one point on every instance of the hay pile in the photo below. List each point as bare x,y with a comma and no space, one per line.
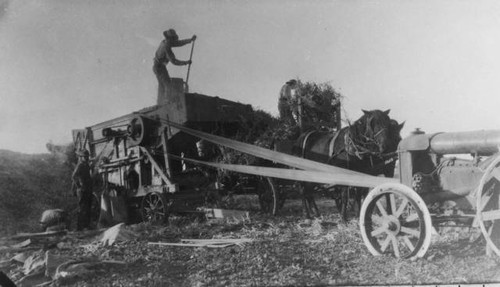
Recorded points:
320,110
320,105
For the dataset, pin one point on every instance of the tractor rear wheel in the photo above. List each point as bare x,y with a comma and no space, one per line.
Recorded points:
488,205
394,219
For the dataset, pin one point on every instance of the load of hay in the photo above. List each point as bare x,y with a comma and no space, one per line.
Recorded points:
320,110
320,105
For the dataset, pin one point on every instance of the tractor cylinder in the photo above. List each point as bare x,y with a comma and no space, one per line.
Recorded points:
484,142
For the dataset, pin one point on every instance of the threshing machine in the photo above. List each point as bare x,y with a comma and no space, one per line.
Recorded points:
138,156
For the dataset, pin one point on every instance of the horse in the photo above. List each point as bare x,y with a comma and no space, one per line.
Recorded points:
368,145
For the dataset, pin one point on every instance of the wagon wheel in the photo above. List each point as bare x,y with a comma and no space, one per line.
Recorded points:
155,208
394,219
269,198
488,205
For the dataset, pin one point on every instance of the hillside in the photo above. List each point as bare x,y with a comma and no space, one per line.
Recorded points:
30,184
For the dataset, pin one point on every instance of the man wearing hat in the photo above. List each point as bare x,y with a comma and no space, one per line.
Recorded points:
164,55
287,104
83,181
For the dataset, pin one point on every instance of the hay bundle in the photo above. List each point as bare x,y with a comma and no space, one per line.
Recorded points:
320,105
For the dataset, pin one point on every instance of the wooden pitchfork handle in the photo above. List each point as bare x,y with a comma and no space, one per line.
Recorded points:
189,66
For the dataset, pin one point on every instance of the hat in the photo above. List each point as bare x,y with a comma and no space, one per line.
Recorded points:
291,82
170,33
83,152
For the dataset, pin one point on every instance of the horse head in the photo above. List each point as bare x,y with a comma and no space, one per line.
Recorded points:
376,132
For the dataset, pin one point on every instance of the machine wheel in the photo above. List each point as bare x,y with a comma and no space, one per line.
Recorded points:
488,205
155,208
269,198
394,219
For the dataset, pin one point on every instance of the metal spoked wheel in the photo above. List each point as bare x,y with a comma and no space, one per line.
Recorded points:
395,220
488,205
155,208
269,198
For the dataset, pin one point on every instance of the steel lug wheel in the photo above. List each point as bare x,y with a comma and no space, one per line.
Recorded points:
395,220
488,205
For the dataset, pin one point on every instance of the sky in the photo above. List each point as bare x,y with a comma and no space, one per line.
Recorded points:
69,64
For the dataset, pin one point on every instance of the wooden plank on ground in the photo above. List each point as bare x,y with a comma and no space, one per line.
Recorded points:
35,235
210,243
226,214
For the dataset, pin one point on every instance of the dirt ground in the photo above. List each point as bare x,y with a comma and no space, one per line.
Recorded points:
282,251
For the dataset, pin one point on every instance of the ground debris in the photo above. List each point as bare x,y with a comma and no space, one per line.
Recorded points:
280,251
117,233
218,213
70,271
45,268
22,236
34,263
18,247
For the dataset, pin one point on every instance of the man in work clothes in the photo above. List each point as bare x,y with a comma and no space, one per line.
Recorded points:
83,181
287,104
164,55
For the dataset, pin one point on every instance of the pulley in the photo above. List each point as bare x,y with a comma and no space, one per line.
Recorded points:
141,130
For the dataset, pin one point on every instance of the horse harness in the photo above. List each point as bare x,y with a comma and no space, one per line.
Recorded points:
360,151
352,148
